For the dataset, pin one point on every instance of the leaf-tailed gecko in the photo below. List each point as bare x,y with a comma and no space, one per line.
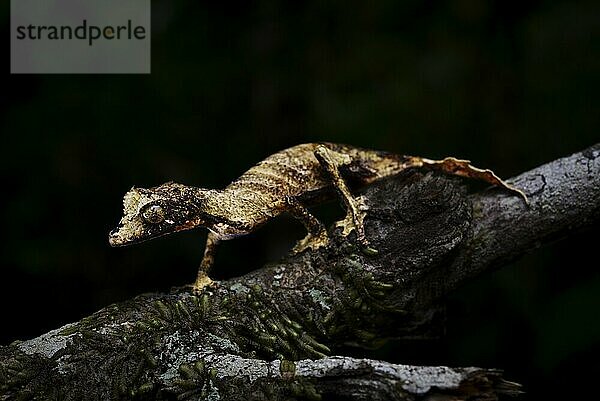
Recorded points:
287,181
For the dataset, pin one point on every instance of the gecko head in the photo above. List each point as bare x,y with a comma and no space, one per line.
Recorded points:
158,211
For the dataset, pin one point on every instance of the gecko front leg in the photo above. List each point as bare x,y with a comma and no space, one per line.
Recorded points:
203,280
355,206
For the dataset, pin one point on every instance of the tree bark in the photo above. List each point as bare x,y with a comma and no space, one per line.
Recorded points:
269,334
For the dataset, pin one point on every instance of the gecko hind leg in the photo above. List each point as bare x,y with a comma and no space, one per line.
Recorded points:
317,234
355,206
203,280
463,168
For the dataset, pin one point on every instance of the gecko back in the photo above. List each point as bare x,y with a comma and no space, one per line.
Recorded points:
296,171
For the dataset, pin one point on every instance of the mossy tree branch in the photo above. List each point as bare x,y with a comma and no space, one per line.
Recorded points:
431,237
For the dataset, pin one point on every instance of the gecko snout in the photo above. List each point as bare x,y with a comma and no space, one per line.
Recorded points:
114,238
118,236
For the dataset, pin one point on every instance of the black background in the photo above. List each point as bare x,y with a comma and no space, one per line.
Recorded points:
507,84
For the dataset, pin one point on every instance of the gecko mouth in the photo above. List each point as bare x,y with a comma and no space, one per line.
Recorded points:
115,239
123,235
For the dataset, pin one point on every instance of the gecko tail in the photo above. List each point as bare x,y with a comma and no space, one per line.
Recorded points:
463,168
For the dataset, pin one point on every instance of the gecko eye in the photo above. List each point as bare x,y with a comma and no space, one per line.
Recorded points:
154,214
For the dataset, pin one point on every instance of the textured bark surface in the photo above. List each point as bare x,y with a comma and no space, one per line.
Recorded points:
262,336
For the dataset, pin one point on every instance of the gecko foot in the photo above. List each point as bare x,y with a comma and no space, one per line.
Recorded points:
201,282
354,220
311,241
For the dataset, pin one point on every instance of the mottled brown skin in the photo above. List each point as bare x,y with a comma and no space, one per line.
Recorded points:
286,181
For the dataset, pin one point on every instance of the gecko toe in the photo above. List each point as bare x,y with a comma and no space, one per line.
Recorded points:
312,242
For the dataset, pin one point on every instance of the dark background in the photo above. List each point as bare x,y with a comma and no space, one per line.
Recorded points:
507,84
